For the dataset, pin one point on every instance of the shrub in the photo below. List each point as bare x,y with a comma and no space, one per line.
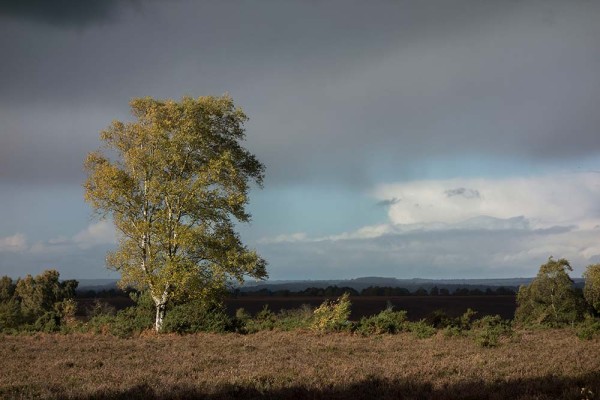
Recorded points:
101,323
66,310
421,329
10,315
129,321
264,320
299,318
439,319
332,316
285,320
387,321
99,308
459,326
465,321
49,322
195,317
589,328
489,329
242,315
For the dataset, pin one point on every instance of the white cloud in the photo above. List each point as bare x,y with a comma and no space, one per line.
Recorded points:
562,199
458,228
95,234
102,232
289,238
79,256
14,243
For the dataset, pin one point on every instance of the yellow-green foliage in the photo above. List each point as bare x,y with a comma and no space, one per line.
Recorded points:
591,291
550,299
332,316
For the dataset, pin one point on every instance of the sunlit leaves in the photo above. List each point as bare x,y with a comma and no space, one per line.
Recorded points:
591,290
550,299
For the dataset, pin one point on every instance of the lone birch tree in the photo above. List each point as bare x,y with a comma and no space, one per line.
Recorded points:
174,181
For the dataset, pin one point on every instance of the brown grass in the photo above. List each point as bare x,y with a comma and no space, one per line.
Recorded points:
536,365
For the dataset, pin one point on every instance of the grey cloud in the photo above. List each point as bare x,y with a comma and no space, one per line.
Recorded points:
595,259
463,192
71,261
71,13
50,147
449,253
480,224
389,202
487,223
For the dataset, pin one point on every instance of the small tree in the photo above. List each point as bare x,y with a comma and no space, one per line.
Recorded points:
333,316
7,289
591,290
550,299
173,181
44,293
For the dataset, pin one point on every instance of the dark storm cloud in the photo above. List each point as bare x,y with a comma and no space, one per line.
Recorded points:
355,88
71,13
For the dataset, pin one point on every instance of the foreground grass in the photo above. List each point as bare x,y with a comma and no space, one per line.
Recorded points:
536,365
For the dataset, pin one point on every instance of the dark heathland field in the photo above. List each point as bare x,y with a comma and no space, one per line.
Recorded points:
417,306
534,364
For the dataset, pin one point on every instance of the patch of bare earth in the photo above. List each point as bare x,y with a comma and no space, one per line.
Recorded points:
534,365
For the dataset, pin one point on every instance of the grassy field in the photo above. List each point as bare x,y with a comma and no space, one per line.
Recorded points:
545,364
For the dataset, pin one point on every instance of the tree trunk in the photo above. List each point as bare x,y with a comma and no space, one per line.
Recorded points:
161,308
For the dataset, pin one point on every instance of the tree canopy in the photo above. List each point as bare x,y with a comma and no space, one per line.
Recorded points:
41,302
550,299
591,290
175,181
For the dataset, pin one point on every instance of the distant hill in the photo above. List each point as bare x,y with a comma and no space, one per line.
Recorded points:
96,284
410,284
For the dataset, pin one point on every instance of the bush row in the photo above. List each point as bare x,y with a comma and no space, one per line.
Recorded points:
331,316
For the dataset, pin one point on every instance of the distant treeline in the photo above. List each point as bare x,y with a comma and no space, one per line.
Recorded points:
329,291
335,291
101,293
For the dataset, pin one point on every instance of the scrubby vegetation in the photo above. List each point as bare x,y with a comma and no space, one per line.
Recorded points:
45,304
292,353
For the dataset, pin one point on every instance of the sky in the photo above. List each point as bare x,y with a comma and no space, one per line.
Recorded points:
429,139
